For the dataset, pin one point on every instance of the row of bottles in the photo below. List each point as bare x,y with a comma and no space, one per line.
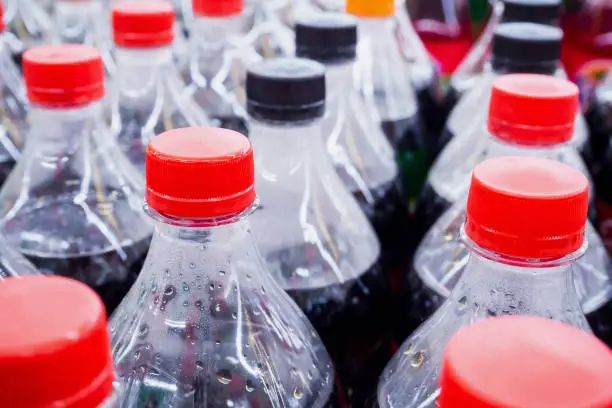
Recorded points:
278,269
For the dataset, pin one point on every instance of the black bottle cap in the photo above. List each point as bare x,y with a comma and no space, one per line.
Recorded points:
526,48
533,11
326,37
286,90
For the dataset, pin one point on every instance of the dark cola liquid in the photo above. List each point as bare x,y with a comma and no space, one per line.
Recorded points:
601,323
389,215
412,148
5,170
354,321
430,207
111,273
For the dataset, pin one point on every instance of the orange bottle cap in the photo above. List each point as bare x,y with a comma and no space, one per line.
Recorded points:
371,8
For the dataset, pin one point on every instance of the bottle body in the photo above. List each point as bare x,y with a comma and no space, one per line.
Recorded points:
72,205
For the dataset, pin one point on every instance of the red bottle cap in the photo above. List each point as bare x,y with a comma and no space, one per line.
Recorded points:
67,74
2,23
55,349
527,207
145,24
519,361
533,109
217,8
200,172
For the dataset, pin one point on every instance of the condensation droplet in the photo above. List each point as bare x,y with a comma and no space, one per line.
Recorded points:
249,276
167,272
409,349
186,303
297,393
417,359
199,304
309,375
211,287
234,315
293,371
462,304
249,386
199,365
222,272
192,265
185,286
143,331
224,376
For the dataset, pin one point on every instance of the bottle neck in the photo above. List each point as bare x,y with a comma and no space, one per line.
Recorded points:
138,69
338,81
503,285
503,67
293,139
212,37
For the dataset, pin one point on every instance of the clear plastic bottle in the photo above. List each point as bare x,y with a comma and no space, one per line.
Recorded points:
13,106
216,69
517,48
55,349
524,229
358,147
29,21
72,204
529,115
205,325
471,69
533,362
149,95
316,240
84,22
268,23
383,77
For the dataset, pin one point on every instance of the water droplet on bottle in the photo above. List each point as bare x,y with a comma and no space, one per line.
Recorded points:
199,304
249,386
211,287
167,272
297,393
234,315
293,371
224,376
256,312
192,265
417,359
263,289
248,276
217,342
143,331
199,365
169,293
217,308
462,304
309,375
186,303
409,349
222,272
154,288
185,286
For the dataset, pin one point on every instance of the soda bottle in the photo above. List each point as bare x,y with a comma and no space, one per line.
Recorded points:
72,204
268,23
149,94
470,71
317,242
29,21
205,325
517,48
361,153
524,229
13,106
587,53
531,363
215,71
383,76
55,350
529,115
83,22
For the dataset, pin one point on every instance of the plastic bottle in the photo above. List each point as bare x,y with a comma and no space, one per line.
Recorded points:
316,240
471,69
205,324
529,115
13,106
84,22
72,205
149,95
55,350
215,71
587,53
383,76
268,23
533,362
517,48
29,21
361,154
525,229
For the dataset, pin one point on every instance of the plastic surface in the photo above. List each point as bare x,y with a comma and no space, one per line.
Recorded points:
73,203
143,24
63,349
29,21
215,71
268,25
63,75
224,156
522,104
148,95
492,285
205,324
537,189
533,362
474,64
